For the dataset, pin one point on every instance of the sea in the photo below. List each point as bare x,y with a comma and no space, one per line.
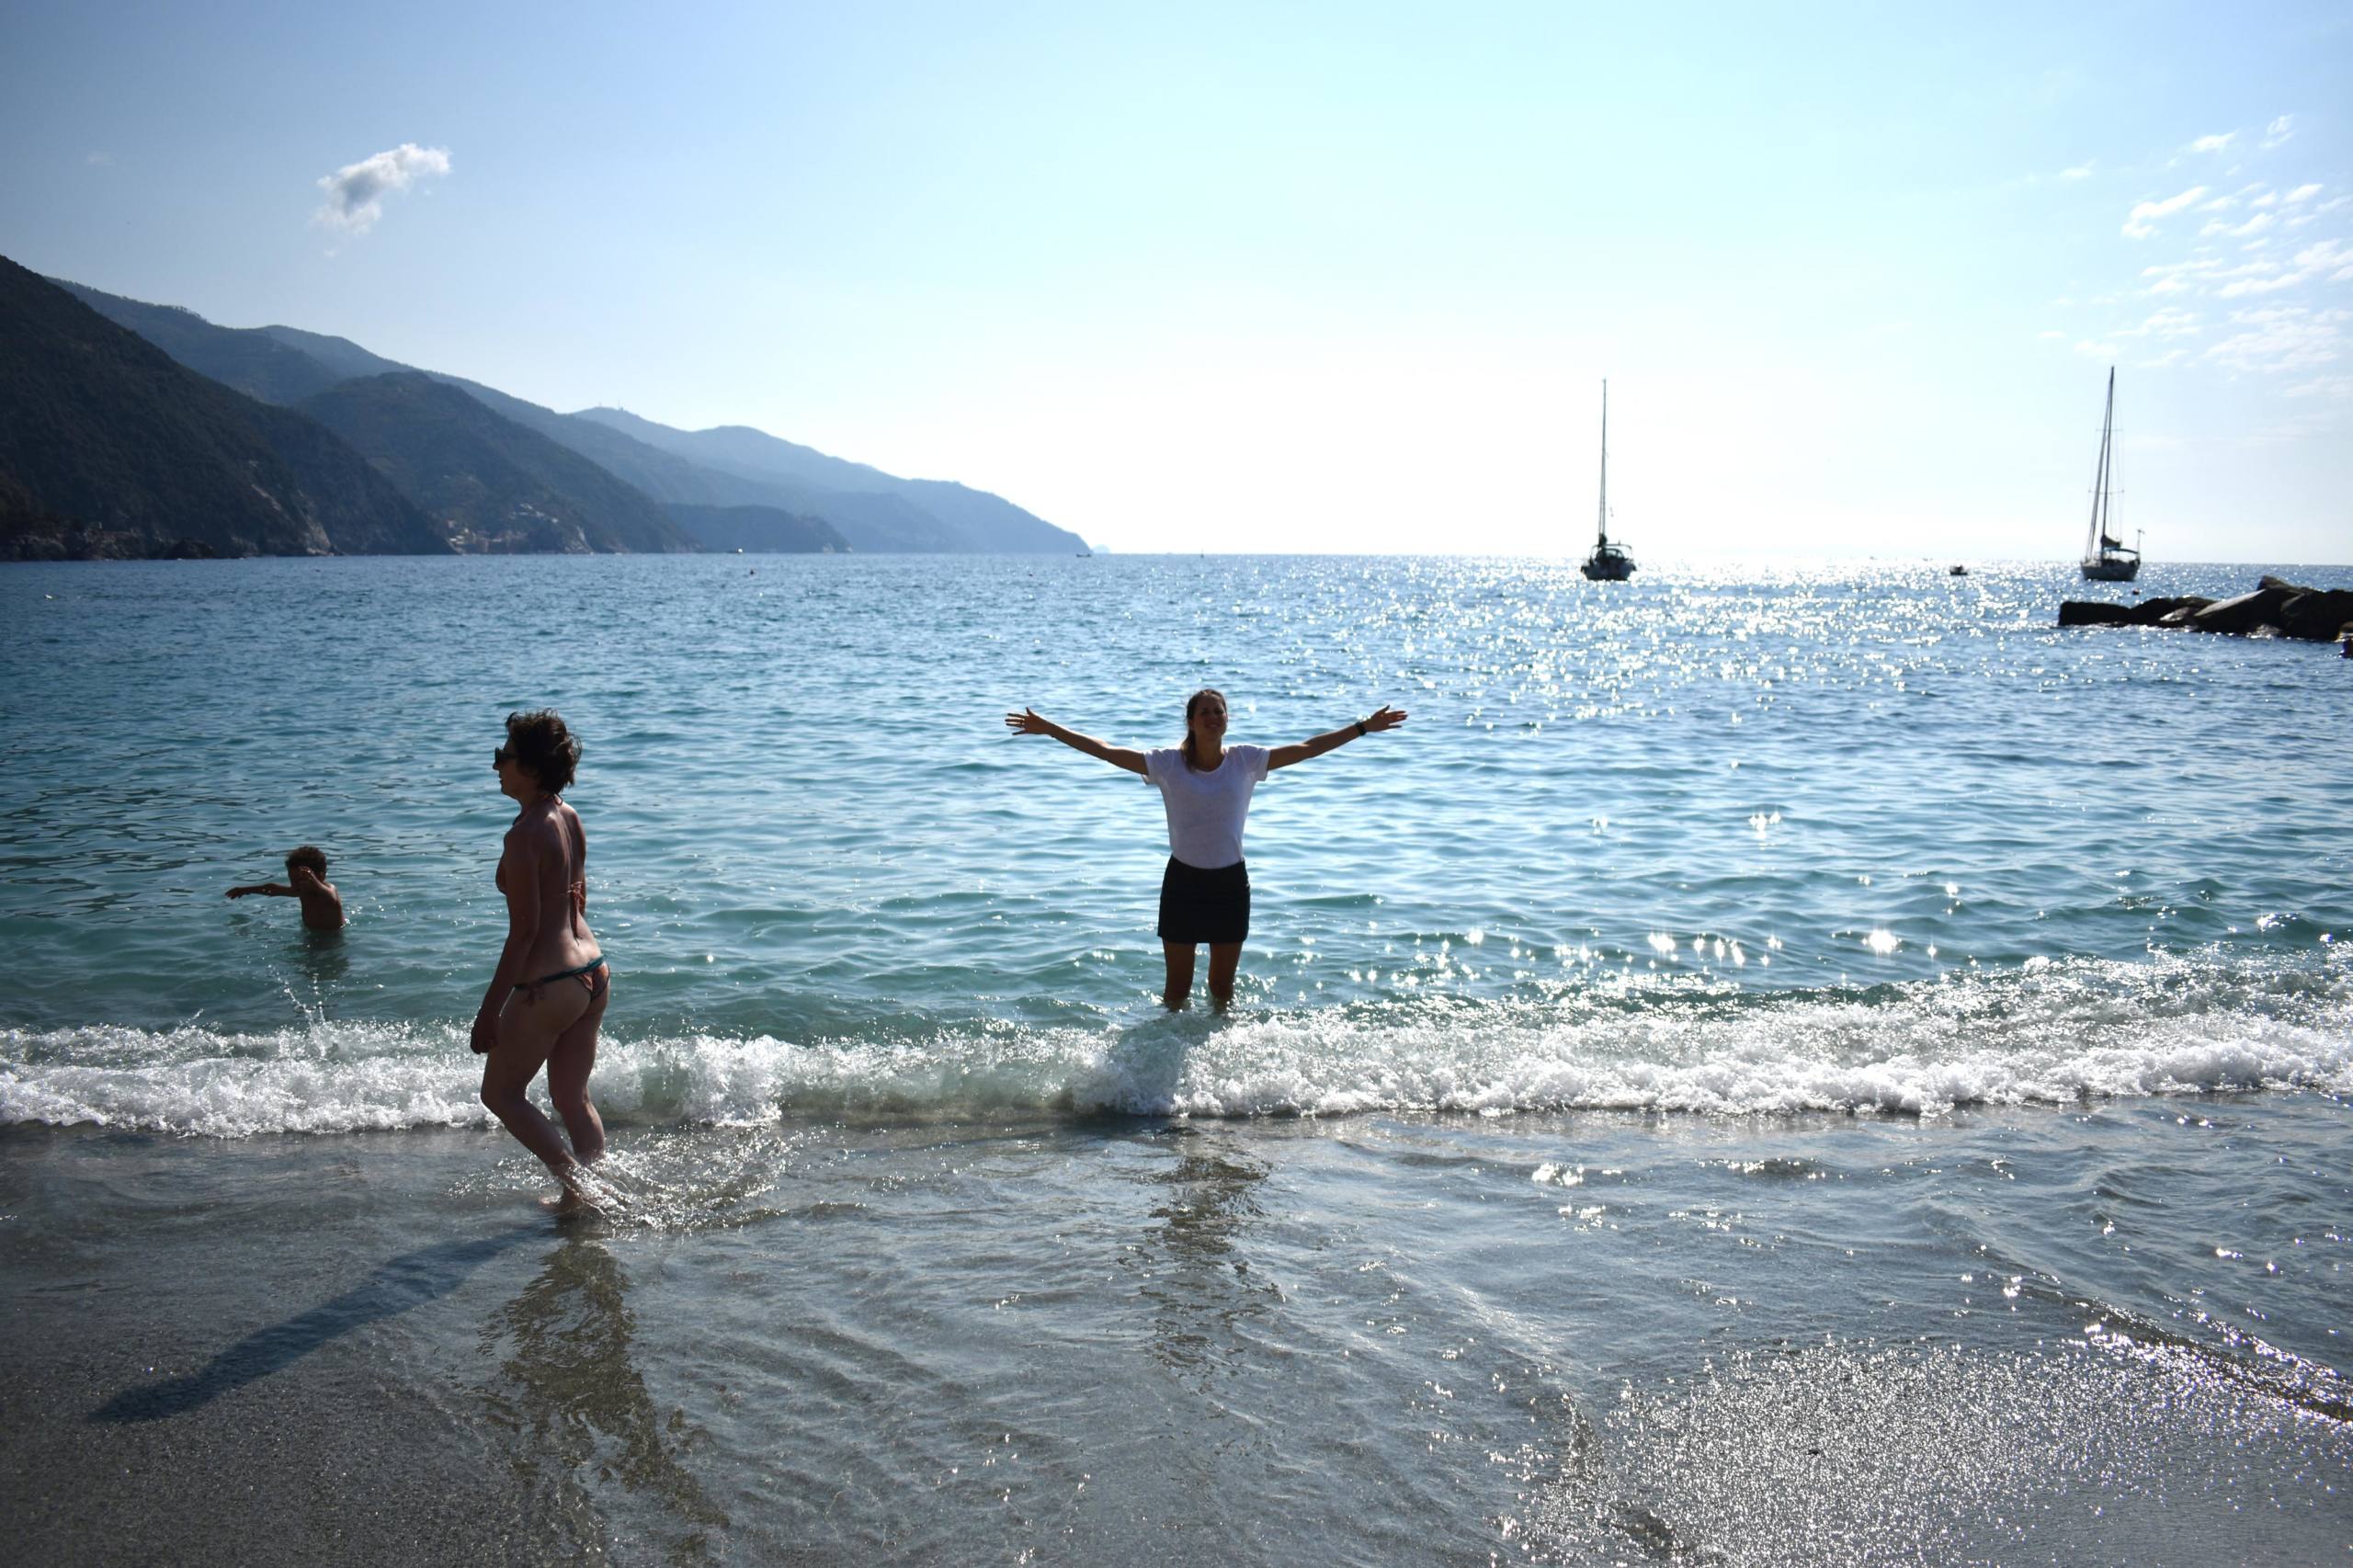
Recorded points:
1773,1063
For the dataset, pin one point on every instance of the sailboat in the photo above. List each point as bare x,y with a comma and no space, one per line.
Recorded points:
1608,563
2105,558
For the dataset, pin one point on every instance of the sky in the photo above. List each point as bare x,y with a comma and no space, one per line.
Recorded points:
1297,278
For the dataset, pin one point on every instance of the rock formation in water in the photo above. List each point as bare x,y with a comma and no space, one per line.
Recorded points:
2275,609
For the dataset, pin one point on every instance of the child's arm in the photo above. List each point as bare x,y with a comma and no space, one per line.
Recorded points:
311,889
272,889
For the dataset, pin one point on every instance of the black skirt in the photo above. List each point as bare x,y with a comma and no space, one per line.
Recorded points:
1199,906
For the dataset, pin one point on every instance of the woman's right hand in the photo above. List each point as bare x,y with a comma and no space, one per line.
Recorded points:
485,1034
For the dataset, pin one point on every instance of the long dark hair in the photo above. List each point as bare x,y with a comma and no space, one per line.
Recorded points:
1191,703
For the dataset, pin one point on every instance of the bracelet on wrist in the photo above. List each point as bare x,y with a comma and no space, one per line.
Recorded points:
1360,729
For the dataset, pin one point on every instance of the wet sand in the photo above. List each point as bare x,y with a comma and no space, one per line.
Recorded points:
1569,1339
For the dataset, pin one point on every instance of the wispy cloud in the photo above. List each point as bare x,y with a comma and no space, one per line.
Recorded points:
2301,193
2278,130
2254,225
2333,387
356,192
2080,171
98,159
2280,338
2142,221
2324,258
2168,323
2212,144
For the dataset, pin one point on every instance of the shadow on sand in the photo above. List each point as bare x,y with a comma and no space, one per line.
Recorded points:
400,1283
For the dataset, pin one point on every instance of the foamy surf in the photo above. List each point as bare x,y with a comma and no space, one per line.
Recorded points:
2049,1033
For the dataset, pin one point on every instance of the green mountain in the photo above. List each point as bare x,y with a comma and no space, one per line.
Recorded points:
249,360
491,484
110,449
730,466
759,530
901,513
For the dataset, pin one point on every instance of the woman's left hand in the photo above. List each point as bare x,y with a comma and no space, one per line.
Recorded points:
1386,718
485,1034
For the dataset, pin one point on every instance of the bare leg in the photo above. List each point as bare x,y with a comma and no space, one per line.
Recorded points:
527,1031
571,1060
1224,959
1179,989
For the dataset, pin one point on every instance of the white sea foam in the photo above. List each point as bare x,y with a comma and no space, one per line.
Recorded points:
2054,1034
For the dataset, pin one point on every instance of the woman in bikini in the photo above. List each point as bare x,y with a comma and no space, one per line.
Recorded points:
1205,785
549,992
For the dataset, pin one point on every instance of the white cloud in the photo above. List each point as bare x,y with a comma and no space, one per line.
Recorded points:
2302,192
2167,323
2326,258
2095,350
2332,204
2283,337
2254,225
2080,171
99,159
356,192
2052,337
2142,225
2339,387
2278,130
2213,143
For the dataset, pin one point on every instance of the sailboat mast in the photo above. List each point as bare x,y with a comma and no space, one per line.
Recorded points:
2092,548
1601,525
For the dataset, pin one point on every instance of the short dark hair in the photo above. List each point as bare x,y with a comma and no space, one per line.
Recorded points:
310,858
540,741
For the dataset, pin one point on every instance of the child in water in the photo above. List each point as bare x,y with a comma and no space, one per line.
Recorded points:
306,869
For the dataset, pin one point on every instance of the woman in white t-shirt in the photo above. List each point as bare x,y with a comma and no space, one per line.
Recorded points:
1205,785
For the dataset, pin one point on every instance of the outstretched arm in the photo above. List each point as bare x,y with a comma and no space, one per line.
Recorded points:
272,889
1283,757
1029,723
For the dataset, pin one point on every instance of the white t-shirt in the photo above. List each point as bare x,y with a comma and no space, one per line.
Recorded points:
1206,809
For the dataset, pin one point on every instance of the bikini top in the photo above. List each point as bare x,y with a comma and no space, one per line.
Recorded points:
578,887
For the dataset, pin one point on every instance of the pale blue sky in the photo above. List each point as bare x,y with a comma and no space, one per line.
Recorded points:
1286,278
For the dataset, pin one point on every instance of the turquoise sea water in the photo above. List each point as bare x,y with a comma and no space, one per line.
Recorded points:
1767,1002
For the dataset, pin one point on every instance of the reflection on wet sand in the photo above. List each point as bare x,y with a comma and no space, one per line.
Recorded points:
1195,1274
580,1409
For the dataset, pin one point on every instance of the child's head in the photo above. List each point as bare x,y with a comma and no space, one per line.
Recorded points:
310,858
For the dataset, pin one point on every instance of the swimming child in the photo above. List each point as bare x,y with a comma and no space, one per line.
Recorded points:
306,869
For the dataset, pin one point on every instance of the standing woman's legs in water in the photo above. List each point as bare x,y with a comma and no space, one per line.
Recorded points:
1179,989
1225,959
569,1065
530,1030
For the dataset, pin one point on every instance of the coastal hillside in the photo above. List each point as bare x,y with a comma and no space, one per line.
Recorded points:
249,360
930,514
759,530
110,449
489,484
728,466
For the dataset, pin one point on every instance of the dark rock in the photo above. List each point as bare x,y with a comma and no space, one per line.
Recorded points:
2242,615
2316,615
2275,609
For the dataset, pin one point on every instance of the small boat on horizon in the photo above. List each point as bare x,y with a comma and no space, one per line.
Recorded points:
1608,563
2106,559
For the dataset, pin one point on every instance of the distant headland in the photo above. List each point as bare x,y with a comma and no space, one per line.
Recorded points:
139,431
